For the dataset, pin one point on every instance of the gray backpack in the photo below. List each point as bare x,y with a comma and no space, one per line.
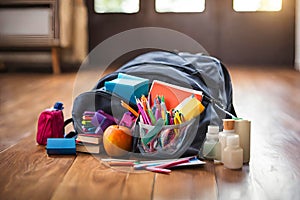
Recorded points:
196,71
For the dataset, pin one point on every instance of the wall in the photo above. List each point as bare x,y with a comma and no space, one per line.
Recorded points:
248,38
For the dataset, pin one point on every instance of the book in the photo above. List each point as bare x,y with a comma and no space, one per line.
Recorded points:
89,138
173,94
128,87
61,146
87,148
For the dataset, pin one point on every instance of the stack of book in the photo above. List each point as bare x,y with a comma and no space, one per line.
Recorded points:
88,141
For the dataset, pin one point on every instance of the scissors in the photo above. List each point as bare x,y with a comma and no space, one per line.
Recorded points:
177,118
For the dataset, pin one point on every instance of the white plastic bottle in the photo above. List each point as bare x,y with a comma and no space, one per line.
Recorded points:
243,129
233,153
211,146
228,129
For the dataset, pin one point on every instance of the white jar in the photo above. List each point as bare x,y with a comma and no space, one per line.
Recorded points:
233,153
211,146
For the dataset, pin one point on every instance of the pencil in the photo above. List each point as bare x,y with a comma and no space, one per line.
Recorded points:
126,106
115,163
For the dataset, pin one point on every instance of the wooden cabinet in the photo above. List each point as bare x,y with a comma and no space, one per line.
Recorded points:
30,24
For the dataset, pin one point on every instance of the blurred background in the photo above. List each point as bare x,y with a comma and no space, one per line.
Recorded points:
56,35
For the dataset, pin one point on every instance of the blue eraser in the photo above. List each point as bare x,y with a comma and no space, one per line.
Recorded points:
61,146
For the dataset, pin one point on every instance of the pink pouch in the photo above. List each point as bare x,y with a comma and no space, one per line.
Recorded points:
50,125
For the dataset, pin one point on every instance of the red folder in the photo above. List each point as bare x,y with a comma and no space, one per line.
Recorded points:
173,94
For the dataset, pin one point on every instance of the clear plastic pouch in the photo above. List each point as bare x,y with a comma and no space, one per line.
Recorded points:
168,141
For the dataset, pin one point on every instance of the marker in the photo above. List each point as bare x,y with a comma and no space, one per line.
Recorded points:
158,170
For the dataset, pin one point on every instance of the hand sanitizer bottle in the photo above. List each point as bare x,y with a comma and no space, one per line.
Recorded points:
233,153
228,129
211,146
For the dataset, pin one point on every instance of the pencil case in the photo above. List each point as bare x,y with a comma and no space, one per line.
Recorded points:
167,141
50,124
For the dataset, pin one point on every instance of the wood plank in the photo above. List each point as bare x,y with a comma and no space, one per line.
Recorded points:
196,183
233,184
27,172
139,185
88,178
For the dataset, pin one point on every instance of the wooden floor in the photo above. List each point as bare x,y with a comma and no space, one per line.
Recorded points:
269,98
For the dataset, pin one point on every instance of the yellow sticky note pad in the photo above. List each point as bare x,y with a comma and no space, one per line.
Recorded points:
191,108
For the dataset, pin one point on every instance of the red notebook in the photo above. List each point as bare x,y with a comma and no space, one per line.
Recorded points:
173,94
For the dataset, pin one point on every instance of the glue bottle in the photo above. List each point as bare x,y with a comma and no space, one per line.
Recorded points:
211,146
233,153
228,129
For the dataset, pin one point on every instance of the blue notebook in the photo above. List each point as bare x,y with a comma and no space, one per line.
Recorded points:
62,146
128,87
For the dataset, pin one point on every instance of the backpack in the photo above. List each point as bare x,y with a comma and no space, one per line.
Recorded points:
196,71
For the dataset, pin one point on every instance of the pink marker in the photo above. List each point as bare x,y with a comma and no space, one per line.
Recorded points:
158,170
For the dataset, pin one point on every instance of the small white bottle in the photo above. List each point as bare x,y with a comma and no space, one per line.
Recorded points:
233,153
228,129
211,146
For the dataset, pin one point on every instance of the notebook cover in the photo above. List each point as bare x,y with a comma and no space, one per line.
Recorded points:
173,94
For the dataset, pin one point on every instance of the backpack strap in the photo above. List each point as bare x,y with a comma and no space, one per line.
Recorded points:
71,133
